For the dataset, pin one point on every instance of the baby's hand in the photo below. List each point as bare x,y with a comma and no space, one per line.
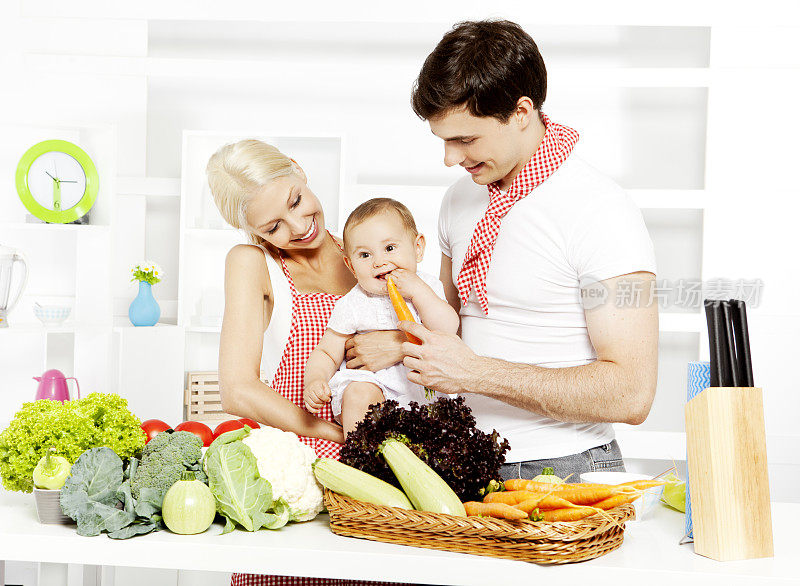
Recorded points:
408,284
315,395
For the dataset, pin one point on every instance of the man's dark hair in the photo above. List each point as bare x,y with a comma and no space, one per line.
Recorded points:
485,65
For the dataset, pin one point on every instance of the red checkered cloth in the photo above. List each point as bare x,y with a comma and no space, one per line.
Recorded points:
310,314
256,580
556,146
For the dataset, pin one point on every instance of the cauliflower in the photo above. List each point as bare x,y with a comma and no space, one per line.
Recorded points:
286,462
164,460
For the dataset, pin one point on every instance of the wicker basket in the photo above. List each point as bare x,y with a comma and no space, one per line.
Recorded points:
541,543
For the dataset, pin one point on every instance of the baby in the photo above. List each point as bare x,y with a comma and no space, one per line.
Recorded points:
380,240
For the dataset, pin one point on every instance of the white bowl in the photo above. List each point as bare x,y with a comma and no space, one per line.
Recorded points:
48,507
645,504
52,315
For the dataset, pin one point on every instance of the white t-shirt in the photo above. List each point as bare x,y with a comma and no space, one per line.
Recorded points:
576,228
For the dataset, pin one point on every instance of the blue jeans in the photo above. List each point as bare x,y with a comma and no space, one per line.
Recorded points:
607,458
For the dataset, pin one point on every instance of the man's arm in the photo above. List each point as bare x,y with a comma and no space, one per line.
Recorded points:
618,386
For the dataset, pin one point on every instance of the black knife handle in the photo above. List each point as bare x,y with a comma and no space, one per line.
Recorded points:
713,347
730,343
743,341
725,377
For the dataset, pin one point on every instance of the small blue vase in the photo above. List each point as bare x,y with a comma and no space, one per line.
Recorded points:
144,310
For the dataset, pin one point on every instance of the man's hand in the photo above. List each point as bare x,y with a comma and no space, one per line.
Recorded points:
374,351
442,362
408,284
315,394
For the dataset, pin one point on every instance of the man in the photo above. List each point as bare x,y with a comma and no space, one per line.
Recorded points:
539,252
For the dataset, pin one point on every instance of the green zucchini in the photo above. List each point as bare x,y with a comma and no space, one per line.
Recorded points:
358,485
425,489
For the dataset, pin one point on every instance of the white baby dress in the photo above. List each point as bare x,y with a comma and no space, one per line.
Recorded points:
358,312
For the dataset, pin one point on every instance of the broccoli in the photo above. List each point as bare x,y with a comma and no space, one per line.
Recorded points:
164,459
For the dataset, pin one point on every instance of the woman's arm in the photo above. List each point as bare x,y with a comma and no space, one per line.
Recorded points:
245,319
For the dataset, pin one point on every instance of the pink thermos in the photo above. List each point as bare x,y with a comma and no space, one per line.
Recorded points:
53,386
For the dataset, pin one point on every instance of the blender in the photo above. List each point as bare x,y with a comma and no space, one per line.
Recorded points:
8,261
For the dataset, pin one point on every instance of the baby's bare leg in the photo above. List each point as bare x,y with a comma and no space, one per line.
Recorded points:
356,399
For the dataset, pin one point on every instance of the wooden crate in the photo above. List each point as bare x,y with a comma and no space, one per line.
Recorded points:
202,399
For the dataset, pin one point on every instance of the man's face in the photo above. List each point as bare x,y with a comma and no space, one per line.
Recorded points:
488,149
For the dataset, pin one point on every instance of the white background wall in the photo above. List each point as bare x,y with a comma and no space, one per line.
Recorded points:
692,109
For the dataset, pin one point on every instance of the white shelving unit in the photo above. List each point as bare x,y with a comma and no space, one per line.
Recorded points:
149,186
76,265
657,99
669,104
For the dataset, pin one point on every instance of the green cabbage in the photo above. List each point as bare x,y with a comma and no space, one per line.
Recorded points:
71,428
98,497
242,496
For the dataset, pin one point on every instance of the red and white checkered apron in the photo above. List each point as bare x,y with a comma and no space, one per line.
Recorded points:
256,580
310,314
556,146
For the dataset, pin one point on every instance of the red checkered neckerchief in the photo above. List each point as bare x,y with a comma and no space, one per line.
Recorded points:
556,146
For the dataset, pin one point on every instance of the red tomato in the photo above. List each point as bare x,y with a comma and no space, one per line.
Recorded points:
250,422
201,430
226,426
152,427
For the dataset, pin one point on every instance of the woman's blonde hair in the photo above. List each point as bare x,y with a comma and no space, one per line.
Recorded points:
236,171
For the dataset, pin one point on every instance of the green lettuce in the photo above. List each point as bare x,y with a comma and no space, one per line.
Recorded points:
71,428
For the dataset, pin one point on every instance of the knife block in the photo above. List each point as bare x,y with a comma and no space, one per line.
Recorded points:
726,450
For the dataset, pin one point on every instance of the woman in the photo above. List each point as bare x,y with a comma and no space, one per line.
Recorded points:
279,293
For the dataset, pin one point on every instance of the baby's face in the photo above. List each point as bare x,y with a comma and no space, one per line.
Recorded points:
379,245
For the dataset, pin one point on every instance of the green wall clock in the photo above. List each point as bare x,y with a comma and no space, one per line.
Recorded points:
57,181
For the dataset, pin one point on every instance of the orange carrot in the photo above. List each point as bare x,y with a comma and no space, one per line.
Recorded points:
522,484
515,497
508,497
544,502
588,495
615,501
643,484
565,514
497,510
401,308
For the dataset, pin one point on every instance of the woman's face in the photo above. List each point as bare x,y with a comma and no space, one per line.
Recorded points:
287,214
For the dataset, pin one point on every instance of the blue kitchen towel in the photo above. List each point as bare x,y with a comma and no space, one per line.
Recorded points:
698,379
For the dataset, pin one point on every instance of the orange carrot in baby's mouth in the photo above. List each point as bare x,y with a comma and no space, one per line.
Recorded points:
401,308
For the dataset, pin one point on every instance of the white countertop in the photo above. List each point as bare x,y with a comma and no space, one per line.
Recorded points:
649,555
